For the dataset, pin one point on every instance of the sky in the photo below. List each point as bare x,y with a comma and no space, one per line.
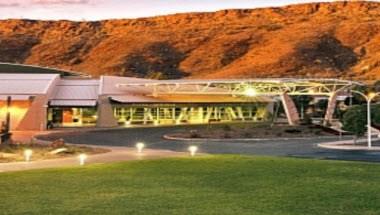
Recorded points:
117,9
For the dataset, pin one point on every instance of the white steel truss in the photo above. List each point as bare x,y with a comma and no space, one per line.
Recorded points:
239,87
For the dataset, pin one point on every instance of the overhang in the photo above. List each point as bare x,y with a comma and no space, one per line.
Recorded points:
72,103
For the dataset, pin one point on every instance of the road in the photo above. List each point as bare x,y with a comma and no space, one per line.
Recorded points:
152,137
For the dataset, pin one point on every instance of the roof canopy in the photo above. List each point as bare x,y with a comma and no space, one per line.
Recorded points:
25,84
75,93
239,87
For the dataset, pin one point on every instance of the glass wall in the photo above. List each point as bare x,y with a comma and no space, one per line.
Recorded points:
71,117
189,114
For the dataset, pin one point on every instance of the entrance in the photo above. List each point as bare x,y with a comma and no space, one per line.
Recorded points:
71,117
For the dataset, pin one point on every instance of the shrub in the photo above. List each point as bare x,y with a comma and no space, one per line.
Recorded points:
226,135
227,128
292,131
355,120
194,134
247,134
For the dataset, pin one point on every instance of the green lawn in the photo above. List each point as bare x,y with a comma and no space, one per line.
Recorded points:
204,185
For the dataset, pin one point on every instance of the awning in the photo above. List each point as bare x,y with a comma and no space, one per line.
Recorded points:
188,99
134,99
73,103
15,97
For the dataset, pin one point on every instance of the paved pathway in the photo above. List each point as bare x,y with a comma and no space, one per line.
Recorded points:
116,154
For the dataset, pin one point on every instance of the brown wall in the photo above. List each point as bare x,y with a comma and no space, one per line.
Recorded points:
17,110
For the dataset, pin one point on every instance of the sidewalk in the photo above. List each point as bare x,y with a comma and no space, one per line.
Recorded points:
349,145
115,155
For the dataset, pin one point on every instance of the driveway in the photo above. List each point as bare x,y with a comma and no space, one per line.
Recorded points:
152,137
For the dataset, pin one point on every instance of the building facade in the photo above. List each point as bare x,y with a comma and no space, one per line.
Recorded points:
44,101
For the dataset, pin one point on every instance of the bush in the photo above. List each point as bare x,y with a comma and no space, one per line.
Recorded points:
194,134
227,135
227,128
355,120
292,131
247,134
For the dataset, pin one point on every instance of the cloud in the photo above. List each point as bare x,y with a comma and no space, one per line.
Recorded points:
9,4
59,2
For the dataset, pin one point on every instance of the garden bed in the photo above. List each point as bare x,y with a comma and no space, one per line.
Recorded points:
15,152
245,130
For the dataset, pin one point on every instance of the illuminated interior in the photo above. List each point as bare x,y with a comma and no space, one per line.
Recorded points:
164,114
71,117
17,112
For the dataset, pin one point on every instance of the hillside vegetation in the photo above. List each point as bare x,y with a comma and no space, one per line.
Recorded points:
339,39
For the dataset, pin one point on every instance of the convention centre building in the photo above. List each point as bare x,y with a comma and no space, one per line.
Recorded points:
35,98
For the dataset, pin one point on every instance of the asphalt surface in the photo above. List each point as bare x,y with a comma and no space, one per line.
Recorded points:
152,137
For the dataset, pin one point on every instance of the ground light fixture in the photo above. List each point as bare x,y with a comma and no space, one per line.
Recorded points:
140,146
28,154
193,150
82,159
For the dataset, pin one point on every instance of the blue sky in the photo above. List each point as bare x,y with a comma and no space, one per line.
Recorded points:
108,9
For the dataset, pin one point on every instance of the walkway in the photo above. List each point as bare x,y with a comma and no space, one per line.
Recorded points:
115,155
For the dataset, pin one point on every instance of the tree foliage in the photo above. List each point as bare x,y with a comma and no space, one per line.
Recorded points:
355,120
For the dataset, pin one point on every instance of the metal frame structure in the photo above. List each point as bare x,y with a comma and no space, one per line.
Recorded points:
238,87
172,114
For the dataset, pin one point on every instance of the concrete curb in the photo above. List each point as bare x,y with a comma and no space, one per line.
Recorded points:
168,137
348,145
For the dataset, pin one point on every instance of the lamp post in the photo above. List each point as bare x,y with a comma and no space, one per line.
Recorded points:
368,98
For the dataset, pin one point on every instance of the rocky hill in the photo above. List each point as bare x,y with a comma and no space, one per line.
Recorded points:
340,39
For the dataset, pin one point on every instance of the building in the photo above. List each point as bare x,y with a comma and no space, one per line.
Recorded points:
39,101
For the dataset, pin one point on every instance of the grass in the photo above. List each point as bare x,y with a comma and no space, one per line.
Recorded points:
204,185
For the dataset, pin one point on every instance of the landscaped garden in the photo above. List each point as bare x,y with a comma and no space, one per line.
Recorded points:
199,185
13,152
251,130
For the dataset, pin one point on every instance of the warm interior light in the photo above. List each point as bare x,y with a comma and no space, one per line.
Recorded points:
193,150
250,92
82,159
28,154
140,146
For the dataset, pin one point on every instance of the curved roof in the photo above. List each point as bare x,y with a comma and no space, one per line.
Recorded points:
33,69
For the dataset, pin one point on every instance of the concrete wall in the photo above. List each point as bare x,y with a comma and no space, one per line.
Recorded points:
35,118
330,109
106,117
290,109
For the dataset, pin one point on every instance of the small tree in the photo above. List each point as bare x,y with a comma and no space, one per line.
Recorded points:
375,114
355,120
